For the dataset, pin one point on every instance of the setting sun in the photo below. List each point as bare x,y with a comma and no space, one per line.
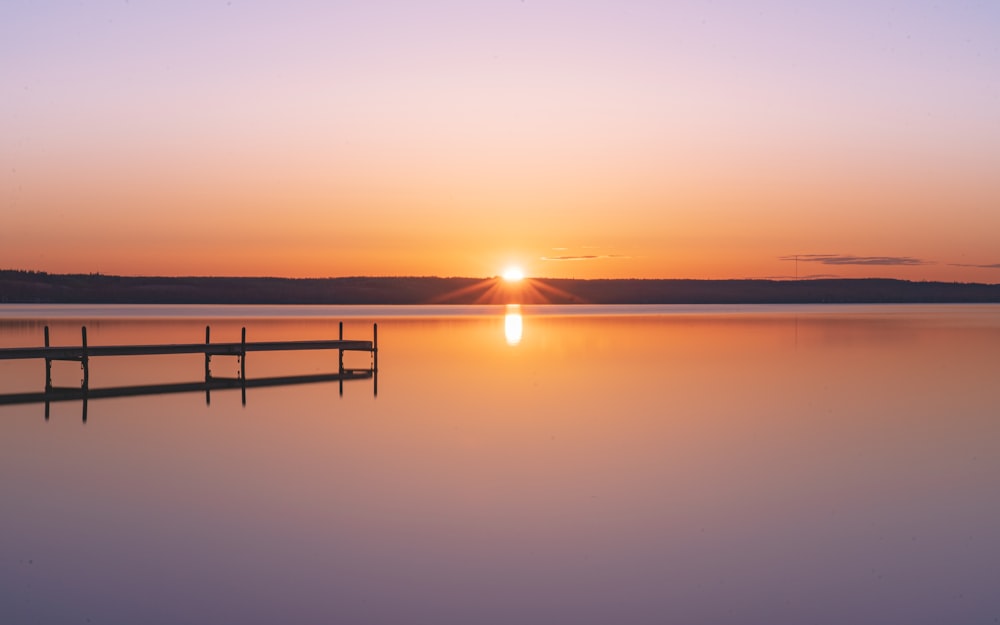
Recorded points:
513,274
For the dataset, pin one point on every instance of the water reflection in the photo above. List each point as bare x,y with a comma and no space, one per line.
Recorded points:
513,325
85,393
677,466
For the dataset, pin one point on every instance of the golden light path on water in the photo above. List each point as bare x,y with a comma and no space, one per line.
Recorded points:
513,324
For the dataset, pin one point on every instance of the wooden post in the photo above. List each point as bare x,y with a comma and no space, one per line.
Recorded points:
85,362
243,355
48,371
208,366
375,359
208,357
340,360
340,352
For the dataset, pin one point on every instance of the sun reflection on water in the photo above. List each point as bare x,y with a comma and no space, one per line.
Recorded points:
513,325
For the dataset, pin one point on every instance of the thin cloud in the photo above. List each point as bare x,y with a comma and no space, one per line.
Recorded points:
806,256
847,259
811,276
988,266
583,257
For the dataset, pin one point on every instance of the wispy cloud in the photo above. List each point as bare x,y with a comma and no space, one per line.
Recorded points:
848,259
811,276
987,266
583,257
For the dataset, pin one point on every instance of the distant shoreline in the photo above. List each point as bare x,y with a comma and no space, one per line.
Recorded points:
29,287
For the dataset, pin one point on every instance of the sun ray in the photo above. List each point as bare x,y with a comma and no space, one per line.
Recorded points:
548,294
458,295
502,291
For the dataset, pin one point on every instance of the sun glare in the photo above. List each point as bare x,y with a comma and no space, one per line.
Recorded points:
513,274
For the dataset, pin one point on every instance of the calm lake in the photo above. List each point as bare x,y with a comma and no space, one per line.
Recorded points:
666,464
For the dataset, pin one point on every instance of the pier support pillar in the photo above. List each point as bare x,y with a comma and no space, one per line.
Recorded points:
208,357
340,352
85,359
48,370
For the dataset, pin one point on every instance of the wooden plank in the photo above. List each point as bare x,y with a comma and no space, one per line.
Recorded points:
55,353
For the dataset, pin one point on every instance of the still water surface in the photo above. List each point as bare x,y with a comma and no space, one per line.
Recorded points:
809,464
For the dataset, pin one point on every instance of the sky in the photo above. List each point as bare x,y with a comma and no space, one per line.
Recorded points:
572,138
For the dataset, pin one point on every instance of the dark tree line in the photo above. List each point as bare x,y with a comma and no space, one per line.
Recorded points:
38,287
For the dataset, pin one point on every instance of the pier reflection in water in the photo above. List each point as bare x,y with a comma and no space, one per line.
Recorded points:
85,394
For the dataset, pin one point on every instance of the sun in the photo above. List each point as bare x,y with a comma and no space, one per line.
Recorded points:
513,274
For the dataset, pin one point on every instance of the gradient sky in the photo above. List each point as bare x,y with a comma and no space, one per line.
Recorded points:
577,138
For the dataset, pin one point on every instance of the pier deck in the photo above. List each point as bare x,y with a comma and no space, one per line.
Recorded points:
84,353
208,349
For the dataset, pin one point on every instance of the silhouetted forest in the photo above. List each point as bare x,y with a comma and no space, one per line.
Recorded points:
38,287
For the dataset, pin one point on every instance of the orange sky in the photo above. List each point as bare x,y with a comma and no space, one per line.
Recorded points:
574,139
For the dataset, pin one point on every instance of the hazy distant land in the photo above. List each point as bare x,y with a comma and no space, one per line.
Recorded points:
39,287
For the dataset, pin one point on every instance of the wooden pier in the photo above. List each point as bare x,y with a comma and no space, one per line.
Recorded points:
85,352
